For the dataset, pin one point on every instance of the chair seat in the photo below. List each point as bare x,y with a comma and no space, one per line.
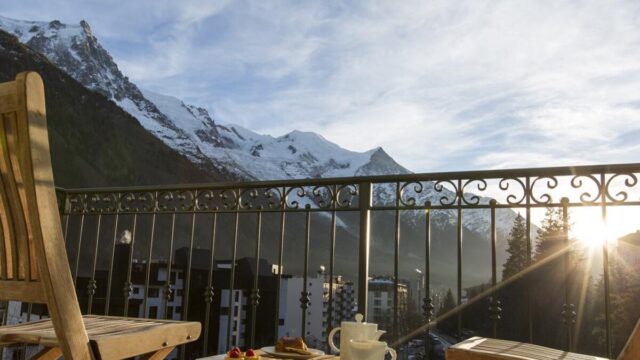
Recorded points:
477,348
111,337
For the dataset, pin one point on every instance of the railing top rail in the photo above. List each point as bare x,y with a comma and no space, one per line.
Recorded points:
479,174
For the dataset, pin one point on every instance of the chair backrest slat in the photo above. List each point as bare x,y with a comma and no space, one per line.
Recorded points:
33,261
15,200
7,251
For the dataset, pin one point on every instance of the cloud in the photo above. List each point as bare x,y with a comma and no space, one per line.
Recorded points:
440,85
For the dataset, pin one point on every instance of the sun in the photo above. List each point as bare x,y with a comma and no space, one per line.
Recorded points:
591,232
588,227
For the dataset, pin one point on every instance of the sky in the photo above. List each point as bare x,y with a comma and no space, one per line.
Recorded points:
440,85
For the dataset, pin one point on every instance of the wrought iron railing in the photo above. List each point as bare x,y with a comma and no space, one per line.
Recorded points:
229,254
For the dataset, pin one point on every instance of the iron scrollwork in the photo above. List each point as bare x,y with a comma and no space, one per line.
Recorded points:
447,197
586,197
408,198
472,199
512,199
545,197
630,180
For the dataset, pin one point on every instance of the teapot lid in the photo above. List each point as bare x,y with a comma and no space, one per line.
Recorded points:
359,322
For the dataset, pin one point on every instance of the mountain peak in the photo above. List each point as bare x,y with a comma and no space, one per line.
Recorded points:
380,162
56,25
85,26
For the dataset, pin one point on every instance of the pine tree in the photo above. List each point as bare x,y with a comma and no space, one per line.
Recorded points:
518,253
447,324
550,234
559,271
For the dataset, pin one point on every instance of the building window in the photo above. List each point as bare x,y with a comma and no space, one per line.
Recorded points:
376,302
154,292
237,296
181,275
178,309
170,312
136,290
153,312
224,310
235,311
281,322
173,277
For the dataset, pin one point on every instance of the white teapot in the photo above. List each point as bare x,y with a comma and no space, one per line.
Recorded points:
350,330
370,350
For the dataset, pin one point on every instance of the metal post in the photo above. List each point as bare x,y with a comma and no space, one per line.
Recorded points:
363,252
605,268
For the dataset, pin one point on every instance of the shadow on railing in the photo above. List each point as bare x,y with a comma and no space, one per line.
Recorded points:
537,255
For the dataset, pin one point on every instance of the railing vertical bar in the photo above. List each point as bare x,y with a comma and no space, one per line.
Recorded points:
92,283
332,254
128,286
77,265
255,294
304,296
232,273
187,277
66,226
567,307
208,295
459,256
605,268
364,203
396,264
147,277
111,263
528,192
279,277
495,304
29,311
168,291
428,302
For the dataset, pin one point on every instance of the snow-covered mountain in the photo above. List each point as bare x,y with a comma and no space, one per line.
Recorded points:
193,132
264,157
190,129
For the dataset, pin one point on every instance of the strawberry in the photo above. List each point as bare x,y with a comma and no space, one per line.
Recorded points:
250,352
234,353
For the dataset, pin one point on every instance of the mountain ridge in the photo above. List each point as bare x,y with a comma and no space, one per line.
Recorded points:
187,128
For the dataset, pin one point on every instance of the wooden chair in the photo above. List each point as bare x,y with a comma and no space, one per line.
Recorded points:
478,348
33,262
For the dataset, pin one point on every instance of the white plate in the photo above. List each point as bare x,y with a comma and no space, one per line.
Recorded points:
271,350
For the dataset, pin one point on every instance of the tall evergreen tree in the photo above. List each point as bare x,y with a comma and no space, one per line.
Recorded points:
550,234
557,280
447,324
517,248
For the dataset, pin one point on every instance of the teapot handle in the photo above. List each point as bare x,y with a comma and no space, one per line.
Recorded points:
331,336
393,353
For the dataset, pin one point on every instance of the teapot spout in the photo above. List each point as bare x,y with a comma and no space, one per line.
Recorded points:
378,334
